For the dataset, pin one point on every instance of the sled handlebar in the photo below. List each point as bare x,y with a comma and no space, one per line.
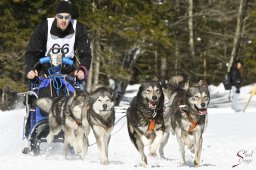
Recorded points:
56,63
65,60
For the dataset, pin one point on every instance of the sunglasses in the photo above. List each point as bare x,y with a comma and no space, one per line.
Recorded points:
68,17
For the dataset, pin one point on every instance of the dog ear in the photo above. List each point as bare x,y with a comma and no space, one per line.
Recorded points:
97,86
202,83
155,78
90,100
141,81
176,80
149,79
187,84
113,93
188,94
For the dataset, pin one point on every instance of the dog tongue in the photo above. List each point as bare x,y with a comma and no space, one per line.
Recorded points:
151,104
203,112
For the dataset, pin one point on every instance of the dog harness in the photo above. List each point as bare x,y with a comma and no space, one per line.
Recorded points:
193,123
77,120
149,117
151,125
101,122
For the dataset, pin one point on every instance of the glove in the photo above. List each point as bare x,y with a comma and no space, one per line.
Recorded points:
238,91
85,71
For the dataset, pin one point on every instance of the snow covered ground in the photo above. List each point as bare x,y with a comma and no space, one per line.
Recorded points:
230,139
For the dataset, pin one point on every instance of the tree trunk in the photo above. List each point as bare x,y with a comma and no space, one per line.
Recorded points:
163,70
237,38
97,63
191,34
89,79
3,96
156,62
205,65
176,64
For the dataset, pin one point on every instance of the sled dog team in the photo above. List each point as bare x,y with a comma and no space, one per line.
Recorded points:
154,113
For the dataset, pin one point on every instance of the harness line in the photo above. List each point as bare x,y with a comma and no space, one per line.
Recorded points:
115,131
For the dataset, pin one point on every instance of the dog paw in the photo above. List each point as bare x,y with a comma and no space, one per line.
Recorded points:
182,163
65,153
78,150
82,155
196,163
162,155
144,164
49,138
153,154
104,162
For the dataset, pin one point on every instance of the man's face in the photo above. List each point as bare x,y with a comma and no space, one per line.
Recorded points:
63,20
239,65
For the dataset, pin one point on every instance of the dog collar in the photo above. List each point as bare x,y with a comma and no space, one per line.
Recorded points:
150,114
101,122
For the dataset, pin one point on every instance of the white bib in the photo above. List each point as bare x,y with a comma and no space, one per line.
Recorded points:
66,44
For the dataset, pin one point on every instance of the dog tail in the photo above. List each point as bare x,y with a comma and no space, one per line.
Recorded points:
178,82
45,104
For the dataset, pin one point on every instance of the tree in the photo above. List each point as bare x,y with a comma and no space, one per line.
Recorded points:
17,19
133,40
238,34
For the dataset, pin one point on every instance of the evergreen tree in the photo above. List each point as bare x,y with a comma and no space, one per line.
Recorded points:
133,40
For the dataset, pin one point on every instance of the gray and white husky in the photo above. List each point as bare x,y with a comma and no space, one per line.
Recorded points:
189,118
175,83
67,114
145,118
101,118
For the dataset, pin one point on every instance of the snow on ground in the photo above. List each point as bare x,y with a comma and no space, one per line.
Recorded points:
230,139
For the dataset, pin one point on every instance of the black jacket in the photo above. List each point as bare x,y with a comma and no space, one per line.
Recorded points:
37,45
235,77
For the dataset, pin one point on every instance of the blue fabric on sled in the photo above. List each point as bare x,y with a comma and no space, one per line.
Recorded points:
39,117
45,83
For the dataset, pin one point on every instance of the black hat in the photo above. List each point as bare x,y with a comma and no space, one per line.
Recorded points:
238,61
63,7
235,62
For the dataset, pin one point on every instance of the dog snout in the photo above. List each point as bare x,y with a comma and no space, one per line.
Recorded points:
203,105
104,106
154,97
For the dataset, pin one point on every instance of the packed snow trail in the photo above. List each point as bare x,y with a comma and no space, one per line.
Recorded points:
228,135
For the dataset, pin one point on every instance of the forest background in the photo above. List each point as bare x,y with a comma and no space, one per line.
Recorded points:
134,40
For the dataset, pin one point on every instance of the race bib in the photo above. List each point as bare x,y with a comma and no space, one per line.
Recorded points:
64,45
